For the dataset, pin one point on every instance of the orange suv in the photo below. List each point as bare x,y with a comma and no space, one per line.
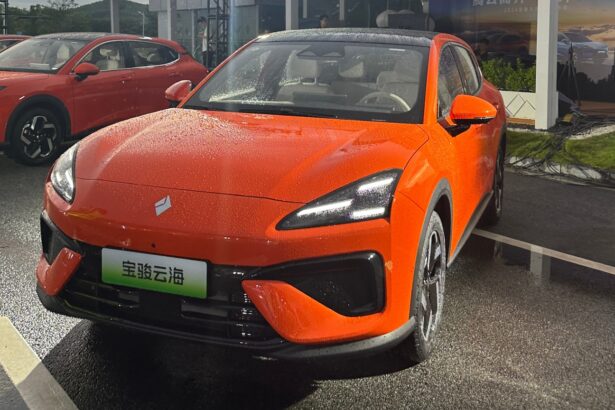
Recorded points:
304,201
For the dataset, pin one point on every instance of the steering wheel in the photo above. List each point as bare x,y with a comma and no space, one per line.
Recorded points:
378,97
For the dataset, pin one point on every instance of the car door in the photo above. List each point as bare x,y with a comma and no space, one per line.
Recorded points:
466,146
487,135
108,96
155,70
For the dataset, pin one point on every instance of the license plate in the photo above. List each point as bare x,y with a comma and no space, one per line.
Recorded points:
157,273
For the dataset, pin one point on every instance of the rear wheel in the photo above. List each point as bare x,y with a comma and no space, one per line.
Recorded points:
36,137
427,294
493,212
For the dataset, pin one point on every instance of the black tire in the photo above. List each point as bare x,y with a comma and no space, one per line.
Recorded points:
36,137
427,293
493,212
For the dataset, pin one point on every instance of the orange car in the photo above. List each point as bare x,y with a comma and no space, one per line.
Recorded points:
305,200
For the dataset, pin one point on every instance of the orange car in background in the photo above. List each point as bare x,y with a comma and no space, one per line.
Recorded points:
304,201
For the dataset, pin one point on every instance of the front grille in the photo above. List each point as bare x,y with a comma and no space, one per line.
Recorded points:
227,313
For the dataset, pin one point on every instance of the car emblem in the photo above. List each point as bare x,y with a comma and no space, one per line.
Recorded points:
163,205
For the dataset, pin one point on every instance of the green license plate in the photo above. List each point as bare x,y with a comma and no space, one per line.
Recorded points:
157,273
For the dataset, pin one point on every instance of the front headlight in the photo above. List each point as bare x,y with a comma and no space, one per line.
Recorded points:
63,174
368,198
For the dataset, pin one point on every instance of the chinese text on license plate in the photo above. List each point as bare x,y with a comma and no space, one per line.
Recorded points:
157,273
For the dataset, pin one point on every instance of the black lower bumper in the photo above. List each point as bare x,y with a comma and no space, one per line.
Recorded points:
277,349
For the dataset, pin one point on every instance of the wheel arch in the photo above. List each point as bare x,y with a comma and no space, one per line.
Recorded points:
441,202
40,101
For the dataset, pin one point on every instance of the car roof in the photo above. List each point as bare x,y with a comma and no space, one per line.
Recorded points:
109,36
355,35
13,37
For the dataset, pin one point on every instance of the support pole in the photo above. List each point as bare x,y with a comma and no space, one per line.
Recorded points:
171,7
546,64
292,14
305,9
342,11
115,16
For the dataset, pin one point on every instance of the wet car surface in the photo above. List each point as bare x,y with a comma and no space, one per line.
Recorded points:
510,338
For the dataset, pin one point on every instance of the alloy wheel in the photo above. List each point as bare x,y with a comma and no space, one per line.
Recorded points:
38,136
432,294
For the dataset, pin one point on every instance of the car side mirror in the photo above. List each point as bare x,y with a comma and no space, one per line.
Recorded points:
177,92
84,70
469,110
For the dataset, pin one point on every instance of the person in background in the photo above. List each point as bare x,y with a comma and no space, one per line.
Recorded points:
206,53
482,50
324,21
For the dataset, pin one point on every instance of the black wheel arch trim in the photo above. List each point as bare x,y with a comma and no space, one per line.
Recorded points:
33,102
442,190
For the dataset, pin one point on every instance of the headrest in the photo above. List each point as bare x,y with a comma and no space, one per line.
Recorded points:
302,67
108,52
352,68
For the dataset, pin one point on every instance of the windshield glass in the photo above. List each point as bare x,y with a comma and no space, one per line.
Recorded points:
324,79
40,55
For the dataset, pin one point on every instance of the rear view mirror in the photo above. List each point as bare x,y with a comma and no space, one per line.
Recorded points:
84,70
177,92
469,110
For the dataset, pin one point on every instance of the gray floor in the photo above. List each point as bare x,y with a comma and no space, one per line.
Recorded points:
9,396
509,339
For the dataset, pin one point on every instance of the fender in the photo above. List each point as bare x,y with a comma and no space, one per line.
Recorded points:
36,100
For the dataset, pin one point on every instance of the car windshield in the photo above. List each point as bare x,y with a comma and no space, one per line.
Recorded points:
40,55
376,82
578,38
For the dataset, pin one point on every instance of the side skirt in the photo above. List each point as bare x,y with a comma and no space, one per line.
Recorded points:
478,212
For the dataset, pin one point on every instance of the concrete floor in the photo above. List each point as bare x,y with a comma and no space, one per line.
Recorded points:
509,339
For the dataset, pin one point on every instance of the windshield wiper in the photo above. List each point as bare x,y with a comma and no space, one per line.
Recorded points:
287,111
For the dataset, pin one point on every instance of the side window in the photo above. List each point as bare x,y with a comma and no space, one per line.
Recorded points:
449,82
107,57
149,54
468,70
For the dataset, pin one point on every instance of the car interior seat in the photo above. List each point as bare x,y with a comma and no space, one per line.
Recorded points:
403,81
304,75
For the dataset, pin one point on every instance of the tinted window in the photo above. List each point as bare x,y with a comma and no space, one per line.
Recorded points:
468,70
449,82
150,54
345,80
107,57
40,54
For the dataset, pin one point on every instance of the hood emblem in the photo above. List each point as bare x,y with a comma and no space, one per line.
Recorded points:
163,205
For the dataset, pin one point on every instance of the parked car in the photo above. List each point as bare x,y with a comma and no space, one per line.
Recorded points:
584,49
61,86
303,201
8,40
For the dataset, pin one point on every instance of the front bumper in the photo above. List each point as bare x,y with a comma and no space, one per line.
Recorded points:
71,285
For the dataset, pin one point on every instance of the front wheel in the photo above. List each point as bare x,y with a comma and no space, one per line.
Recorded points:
427,293
36,137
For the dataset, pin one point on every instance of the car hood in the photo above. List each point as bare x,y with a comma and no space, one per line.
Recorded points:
286,158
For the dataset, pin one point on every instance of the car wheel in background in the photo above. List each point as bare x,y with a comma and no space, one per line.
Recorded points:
427,294
493,212
36,137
